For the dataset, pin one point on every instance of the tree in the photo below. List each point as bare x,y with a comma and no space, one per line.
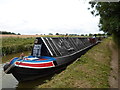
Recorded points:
99,34
86,35
50,34
66,34
95,35
90,34
109,16
57,33
19,34
82,34
5,32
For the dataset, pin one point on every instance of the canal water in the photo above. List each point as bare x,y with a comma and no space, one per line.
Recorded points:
8,81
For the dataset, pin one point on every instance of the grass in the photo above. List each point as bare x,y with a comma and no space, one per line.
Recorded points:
15,44
11,41
90,71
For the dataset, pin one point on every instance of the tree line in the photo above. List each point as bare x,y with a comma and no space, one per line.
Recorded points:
11,33
90,34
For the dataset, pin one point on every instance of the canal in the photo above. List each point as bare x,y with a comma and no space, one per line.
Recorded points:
8,81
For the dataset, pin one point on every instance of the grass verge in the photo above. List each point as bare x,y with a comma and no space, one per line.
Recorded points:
90,71
15,44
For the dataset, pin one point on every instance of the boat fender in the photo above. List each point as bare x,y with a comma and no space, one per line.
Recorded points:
6,66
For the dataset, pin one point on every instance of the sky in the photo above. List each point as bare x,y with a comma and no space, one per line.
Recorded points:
30,17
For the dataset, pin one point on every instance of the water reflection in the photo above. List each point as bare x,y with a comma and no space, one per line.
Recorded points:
9,57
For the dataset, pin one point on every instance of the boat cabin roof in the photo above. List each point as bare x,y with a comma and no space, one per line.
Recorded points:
58,46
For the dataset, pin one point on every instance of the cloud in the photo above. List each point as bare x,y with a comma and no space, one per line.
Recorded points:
47,16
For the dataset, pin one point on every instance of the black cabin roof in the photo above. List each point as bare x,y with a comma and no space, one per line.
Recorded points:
60,46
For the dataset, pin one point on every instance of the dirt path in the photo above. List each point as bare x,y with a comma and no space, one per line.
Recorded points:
113,78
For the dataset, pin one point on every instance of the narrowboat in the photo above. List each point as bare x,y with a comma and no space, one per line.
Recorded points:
49,55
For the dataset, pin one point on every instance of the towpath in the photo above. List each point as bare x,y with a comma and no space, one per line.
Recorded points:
113,78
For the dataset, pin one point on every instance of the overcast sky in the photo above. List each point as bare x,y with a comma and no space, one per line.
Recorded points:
47,16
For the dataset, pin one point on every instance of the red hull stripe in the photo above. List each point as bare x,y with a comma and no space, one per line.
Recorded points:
40,59
48,64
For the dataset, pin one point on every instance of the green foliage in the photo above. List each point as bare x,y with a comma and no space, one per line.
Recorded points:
73,35
90,34
5,32
57,33
116,40
82,34
109,16
50,34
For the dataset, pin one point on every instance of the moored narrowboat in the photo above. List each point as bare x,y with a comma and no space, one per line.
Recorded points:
49,55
